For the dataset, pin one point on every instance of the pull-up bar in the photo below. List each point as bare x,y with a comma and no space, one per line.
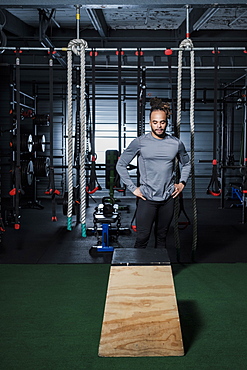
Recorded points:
163,67
209,48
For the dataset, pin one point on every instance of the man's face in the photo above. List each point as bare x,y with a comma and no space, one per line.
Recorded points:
158,122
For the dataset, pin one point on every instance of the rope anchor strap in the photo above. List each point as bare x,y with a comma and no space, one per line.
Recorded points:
78,47
214,186
93,184
183,224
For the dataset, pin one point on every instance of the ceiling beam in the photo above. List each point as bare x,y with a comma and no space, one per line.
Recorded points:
97,19
44,22
204,18
117,4
160,36
17,27
137,38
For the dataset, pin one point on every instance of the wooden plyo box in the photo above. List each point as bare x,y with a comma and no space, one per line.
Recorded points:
141,315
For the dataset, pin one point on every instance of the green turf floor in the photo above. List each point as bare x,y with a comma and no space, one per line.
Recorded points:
51,318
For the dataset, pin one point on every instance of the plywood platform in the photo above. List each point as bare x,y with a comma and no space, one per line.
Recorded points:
141,315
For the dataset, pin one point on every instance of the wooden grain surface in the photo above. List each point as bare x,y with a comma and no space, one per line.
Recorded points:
141,315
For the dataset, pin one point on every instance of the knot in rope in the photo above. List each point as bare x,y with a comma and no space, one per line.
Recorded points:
186,43
77,44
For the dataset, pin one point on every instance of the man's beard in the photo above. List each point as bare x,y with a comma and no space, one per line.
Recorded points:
162,135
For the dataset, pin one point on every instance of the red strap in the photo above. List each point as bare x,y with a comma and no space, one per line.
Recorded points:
12,192
213,193
92,191
48,191
118,189
51,191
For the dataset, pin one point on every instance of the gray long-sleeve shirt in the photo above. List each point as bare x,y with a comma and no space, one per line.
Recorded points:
156,160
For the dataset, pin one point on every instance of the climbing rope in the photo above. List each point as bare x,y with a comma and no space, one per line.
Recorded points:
76,46
186,43
192,148
177,133
70,140
83,45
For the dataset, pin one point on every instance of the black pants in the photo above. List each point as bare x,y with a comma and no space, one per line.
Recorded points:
148,212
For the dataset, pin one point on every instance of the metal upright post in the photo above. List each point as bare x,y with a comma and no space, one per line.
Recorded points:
124,125
143,99
51,116
51,105
244,190
93,53
18,145
119,54
78,17
78,125
139,123
140,130
187,21
223,151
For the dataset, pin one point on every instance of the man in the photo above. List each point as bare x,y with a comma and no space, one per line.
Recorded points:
156,153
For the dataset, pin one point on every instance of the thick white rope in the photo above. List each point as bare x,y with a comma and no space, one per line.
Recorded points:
187,43
82,142
78,47
178,122
192,148
179,91
70,140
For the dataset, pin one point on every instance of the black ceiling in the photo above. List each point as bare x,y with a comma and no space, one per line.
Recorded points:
132,24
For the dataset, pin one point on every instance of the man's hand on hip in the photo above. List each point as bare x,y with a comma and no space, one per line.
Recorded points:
178,189
139,194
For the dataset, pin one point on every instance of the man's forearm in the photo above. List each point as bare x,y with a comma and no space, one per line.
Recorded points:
125,176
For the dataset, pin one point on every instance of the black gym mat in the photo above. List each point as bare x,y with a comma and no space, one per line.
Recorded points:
221,236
